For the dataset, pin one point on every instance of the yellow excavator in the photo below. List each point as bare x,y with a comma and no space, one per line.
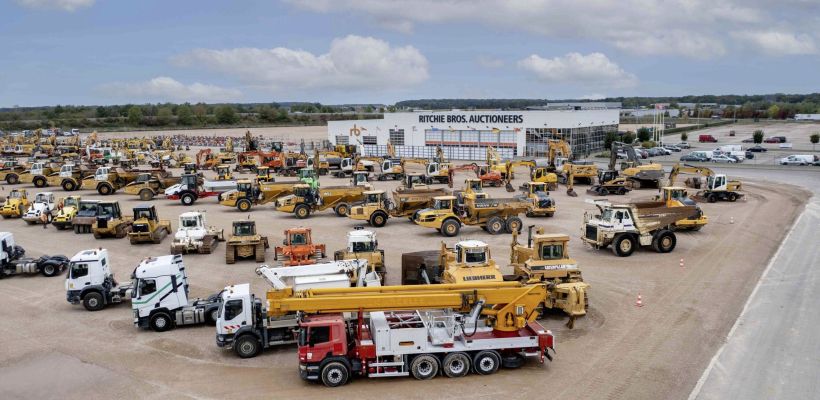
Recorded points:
638,174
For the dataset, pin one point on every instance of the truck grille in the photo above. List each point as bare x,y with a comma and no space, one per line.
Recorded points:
592,232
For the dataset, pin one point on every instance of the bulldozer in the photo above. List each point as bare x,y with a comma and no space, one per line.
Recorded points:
264,175
545,259
16,204
194,235
675,196
66,211
298,248
611,181
110,222
245,242
541,204
147,227
362,245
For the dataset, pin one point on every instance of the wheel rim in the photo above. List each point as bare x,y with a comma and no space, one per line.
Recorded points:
515,226
451,228
425,367
457,366
247,347
49,269
92,302
379,220
160,322
486,364
343,210
626,245
666,242
496,226
334,376
215,315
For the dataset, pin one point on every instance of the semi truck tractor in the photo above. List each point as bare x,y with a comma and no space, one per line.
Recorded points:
12,261
91,282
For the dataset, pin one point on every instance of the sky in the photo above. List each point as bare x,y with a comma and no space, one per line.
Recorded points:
94,52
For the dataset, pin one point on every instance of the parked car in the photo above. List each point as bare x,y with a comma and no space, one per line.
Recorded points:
758,149
672,147
684,145
749,140
798,160
707,139
693,157
664,151
750,155
643,153
722,158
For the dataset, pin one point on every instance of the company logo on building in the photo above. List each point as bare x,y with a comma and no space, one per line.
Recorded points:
471,119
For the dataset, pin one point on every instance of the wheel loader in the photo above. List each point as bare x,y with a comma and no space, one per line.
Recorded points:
147,227
16,204
110,221
298,248
245,242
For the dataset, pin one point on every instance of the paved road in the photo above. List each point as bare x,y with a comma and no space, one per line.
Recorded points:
773,352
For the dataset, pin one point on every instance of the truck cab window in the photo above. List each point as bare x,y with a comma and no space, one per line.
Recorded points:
147,286
232,309
77,270
319,334
552,252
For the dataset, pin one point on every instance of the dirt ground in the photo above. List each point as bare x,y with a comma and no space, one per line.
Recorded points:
52,349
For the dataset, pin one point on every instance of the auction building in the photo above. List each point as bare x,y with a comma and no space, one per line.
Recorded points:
464,135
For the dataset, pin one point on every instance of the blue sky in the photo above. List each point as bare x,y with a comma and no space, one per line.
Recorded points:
368,51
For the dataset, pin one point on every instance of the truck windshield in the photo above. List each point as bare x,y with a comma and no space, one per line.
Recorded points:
363,247
189,222
607,215
475,256
77,270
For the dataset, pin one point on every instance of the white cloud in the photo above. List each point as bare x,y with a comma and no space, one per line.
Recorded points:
353,62
66,5
689,28
779,43
593,96
163,88
490,62
575,68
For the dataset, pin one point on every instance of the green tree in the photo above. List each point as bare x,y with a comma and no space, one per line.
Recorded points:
185,116
165,115
683,136
774,111
101,112
201,112
757,136
226,115
814,139
629,137
644,134
135,116
608,139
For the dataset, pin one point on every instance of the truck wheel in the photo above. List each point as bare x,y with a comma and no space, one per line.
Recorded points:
495,226
39,182
161,322
732,197
302,211
334,374
68,186
664,241
456,365
93,301
187,199
711,198
378,219
450,228
212,316
486,362
146,194
12,179
246,346
424,367
512,361
622,191
514,224
244,205
624,245
49,270
342,210
105,189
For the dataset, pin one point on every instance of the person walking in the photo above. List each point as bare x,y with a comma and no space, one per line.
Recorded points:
44,219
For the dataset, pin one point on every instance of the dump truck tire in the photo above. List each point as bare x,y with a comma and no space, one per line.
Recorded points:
486,362
12,179
514,224
68,186
302,211
664,241
450,228
105,189
243,205
424,367
624,245
335,374
146,194
342,210
378,219
39,182
495,226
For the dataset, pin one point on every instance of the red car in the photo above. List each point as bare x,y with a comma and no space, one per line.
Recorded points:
772,140
707,139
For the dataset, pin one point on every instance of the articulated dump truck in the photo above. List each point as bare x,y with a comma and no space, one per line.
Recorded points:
377,208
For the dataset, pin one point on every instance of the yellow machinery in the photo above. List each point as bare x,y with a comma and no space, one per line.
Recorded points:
495,163
675,196
542,175
10,171
264,175
638,174
16,204
247,193
717,186
306,200
66,211
147,185
107,180
147,227
362,245
110,222
407,200
493,215
223,172
37,173
245,242
545,259
541,204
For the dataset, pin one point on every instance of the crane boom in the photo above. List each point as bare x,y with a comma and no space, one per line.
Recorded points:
511,304
688,169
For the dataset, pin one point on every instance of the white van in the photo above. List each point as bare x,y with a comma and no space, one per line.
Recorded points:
728,148
798,159
701,153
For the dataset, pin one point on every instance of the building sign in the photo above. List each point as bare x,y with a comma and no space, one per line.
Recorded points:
471,118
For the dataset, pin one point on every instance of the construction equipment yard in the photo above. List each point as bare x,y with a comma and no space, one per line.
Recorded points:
654,323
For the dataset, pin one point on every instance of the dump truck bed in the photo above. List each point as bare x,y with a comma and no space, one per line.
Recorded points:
652,215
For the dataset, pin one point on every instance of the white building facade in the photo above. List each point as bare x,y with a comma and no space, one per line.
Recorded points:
464,135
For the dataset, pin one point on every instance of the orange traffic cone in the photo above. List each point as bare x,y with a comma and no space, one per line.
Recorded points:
681,263
639,302
731,220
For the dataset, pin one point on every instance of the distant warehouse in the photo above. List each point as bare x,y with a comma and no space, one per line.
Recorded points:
464,135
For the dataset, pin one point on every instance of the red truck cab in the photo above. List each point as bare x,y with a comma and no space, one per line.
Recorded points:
707,139
322,340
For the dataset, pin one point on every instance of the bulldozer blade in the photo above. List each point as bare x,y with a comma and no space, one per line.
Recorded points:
571,193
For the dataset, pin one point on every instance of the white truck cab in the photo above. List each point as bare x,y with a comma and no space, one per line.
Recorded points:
91,282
